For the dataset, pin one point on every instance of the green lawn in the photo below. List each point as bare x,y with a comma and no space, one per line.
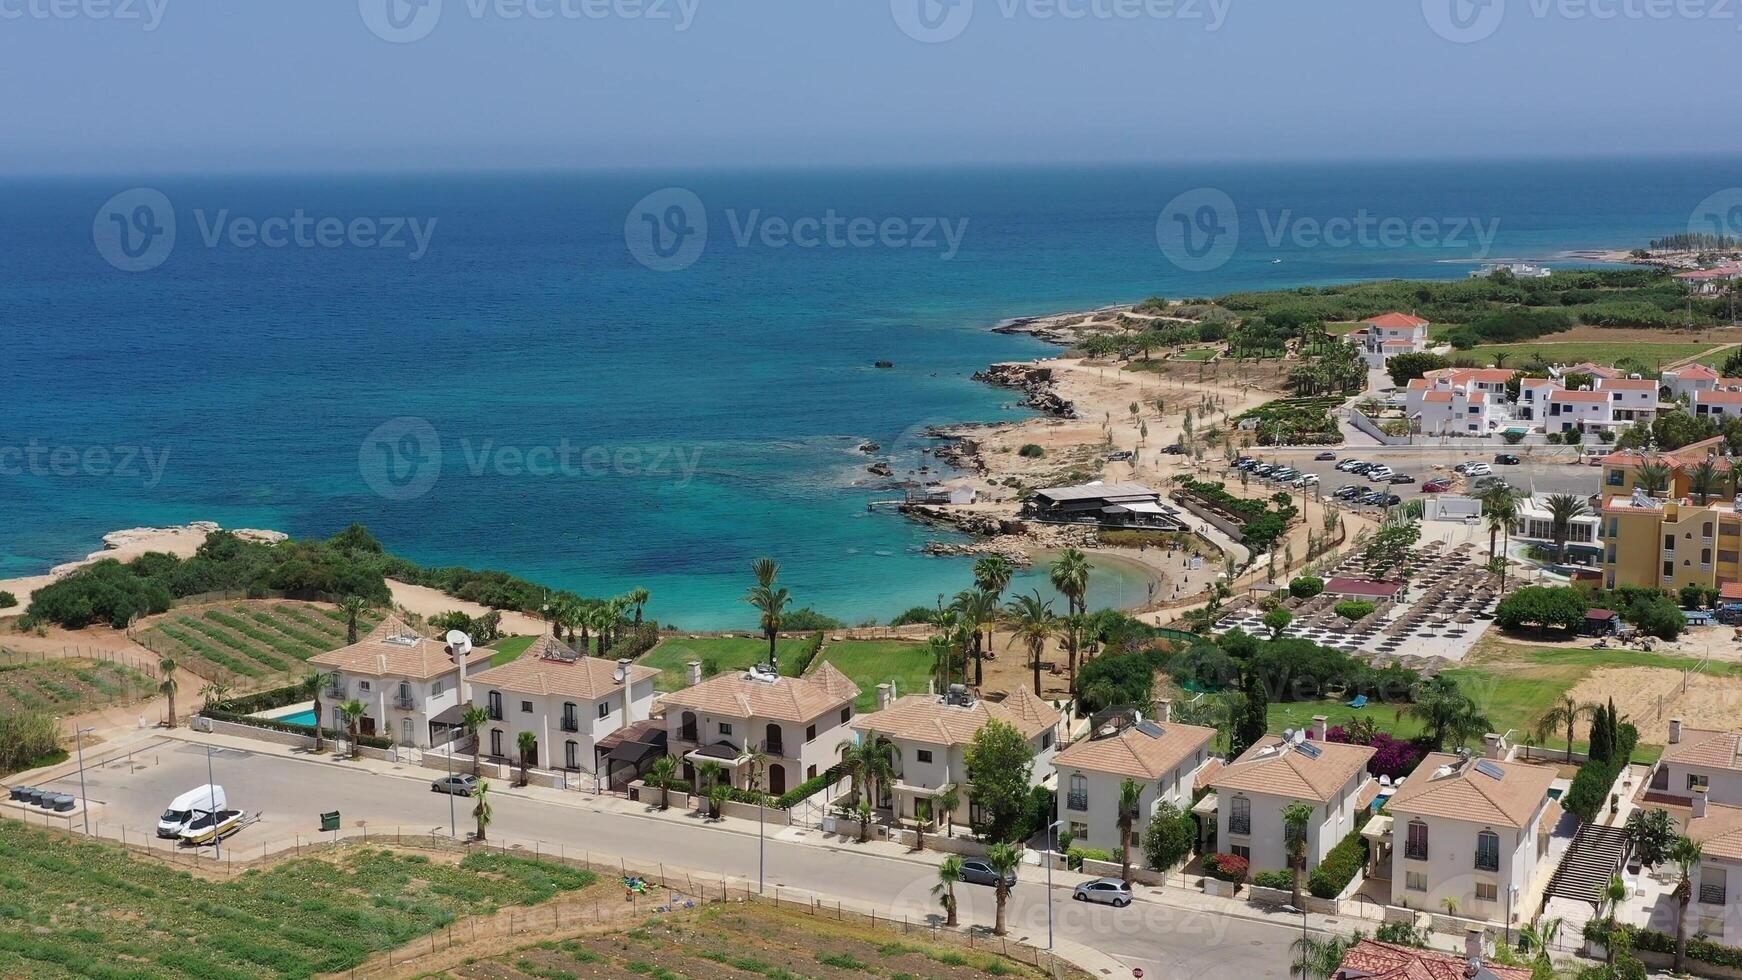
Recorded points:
510,649
79,908
1200,354
1515,686
1651,355
727,654
873,662
1716,358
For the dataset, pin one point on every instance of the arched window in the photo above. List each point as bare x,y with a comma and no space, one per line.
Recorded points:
1415,846
1078,798
688,720
1487,851
1240,816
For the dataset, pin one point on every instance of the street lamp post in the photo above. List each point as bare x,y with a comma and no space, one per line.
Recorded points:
453,830
1051,846
212,806
84,800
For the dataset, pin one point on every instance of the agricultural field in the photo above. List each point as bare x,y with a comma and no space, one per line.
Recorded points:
80,908
1653,355
748,940
723,653
68,686
250,644
873,662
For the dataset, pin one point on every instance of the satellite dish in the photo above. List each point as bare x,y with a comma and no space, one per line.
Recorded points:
459,644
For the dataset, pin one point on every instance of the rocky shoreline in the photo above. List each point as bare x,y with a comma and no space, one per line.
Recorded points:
1035,382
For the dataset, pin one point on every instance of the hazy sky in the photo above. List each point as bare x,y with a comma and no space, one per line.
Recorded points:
154,85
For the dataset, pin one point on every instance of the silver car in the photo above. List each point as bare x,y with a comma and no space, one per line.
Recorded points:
457,785
1104,891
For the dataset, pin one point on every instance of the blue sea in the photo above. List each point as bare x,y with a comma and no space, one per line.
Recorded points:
710,413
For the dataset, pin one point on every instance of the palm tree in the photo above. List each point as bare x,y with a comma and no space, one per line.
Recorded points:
1687,855
565,614
615,617
1070,575
472,720
1295,818
664,771
1320,958
869,763
167,667
949,873
312,684
1538,936
1563,508
992,574
1566,713
213,694
353,606
770,600
1447,713
1130,798
1033,622
528,744
1004,859
481,810
638,597
1704,480
756,760
948,798
979,609
1653,476
353,711
1500,509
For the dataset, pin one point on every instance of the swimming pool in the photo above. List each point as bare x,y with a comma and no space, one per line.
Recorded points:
303,717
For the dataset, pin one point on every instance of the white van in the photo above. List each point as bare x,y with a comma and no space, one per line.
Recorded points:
186,807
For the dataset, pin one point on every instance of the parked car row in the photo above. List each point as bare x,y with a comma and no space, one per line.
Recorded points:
1375,472
1278,473
1366,496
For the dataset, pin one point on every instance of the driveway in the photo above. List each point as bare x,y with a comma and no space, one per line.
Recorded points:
290,793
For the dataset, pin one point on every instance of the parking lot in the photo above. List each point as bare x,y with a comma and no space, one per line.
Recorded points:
1533,474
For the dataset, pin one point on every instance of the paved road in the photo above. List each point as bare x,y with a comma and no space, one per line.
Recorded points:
1535,474
1165,941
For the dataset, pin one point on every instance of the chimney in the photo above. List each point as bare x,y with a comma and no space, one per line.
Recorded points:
885,694
1321,728
694,668
1164,710
1699,802
1493,742
622,670
1675,731
1474,943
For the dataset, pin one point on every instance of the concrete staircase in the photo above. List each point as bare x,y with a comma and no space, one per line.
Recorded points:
1593,859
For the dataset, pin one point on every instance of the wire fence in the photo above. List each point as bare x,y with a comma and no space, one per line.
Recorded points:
74,678
565,917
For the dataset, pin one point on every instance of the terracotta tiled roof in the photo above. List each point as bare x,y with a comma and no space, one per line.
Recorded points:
1135,754
1564,395
1595,370
1489,376
548,667
1718,397
926,718
1703,747
1371,960
738,695
1437,397
1293,773
1468,794
1396,321
1692,454
1730,590
1720,830
1626,384
394,649
1693,372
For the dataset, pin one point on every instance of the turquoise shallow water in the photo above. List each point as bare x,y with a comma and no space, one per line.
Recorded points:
257,376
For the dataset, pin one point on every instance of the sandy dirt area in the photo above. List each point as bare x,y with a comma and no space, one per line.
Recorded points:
1650,696
428,602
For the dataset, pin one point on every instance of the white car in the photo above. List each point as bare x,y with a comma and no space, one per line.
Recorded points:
1479,469
1379,474
1311,479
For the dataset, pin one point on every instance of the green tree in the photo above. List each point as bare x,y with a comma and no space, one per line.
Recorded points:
481,809
1687,855
1652,836
1390,546
1446,713
1296,817
527,742
1653,476
1500,511
353,606
949,797
311,686
1705,481
949,872
1255,718
1564,715
663,772
1319,958
472,720
1002,762
353,711
1130,800
1070,575
770,601
1405,368
979,609
1169,837
1563,509
992,574
1033,622
1277,620
1004,858
869,762
639,597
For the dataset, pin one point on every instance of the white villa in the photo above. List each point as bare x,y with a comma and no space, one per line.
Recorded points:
1253,790
1685,381
931,734
1720,401
1630,399
1716,911
1582,409
404,681
1389,335
1697,759
1165,758
796,721
1472,830
568,702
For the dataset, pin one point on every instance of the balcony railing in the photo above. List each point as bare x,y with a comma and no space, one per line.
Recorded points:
774,748
403,702
571,725
335,694
1414,851
688,733
493,712
1711,894
1077,801
1487,862
1239,825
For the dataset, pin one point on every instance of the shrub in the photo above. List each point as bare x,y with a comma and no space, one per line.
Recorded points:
1281,880
1075,857
1169,837
1554,438
810,787
1392,756
1700,950
1572,437
1306,586
1031,451
1340,866
7,600
1355,609
1512,437
105,592
26,737
1543,605
1227,867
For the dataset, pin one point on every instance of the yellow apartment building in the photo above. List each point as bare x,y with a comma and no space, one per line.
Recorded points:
1666,540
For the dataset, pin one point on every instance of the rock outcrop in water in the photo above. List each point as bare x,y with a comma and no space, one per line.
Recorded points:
1033,381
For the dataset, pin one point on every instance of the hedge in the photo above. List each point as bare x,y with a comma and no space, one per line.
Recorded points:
1699,950
1075,857
1340,866
808,652
810,787
785,801
1280,880
1589,793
